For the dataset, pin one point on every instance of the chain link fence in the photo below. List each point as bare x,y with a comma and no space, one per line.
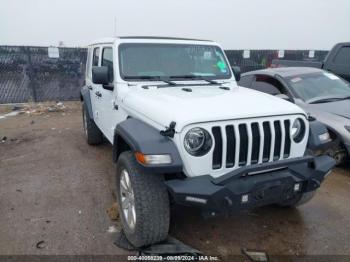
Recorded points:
29,74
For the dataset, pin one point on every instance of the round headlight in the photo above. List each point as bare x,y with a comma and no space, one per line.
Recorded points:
198,141
298,130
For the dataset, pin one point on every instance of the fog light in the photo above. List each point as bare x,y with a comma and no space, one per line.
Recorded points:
324,137
328,173
245,198
196,200
153,159
296,187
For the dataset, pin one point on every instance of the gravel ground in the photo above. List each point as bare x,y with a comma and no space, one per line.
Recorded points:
55,189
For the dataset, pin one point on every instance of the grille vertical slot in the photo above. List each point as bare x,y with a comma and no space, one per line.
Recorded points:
217,153
231,146
267,141
278,140
256,143
243,152
287,142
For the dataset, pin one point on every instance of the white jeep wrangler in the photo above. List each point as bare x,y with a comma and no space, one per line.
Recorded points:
183,132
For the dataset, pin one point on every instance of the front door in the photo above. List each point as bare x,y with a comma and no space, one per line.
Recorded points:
106,108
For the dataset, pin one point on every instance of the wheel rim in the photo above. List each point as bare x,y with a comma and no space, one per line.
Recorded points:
127,199
85,123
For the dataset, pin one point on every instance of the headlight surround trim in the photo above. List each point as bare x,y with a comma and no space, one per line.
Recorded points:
300,130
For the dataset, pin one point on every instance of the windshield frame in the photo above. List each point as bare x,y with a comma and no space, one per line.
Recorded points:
216,77
322,72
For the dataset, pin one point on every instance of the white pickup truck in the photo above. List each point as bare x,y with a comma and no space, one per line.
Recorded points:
183,132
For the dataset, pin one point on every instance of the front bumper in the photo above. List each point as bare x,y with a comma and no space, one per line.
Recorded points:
252,186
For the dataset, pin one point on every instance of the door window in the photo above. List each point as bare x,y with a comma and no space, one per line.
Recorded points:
343,56
107,60
96,56
88,63
245,81
267,85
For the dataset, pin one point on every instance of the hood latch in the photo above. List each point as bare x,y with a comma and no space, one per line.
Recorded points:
170,131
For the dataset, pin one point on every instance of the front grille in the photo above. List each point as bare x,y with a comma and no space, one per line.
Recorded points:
242,144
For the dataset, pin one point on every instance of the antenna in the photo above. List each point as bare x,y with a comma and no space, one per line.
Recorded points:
115,26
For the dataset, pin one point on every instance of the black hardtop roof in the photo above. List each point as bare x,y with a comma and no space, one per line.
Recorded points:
161,37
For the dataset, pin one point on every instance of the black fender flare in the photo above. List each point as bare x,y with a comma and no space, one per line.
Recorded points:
142,137
85,96
317,128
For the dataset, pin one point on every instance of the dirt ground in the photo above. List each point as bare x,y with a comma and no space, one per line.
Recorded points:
55,189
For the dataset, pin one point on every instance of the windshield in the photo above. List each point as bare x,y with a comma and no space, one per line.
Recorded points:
172,61
319,86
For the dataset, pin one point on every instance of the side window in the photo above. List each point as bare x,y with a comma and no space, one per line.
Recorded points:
267,85
107,60
88,63
343,56
246,81
96,56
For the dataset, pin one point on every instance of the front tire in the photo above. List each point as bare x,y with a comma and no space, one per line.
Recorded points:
143,203
92,132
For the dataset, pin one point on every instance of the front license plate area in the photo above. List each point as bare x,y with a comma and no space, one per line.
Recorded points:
268,194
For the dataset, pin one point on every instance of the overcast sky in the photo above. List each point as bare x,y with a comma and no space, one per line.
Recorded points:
236,24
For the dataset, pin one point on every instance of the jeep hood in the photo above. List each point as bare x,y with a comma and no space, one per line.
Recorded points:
203,104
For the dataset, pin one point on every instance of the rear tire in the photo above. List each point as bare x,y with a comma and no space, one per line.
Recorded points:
149,203
92,132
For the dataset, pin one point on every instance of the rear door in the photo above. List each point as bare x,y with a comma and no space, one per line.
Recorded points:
94,61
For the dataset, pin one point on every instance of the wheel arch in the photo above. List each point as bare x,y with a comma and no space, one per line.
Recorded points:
85,97
119,146
137,136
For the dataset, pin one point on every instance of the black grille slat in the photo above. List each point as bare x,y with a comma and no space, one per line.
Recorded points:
217,153
287,142
255,139
243,152
278,140
267,141
256,143
231,146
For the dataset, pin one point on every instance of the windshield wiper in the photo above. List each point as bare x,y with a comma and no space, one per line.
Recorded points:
345,98
195,77
160,78
328,99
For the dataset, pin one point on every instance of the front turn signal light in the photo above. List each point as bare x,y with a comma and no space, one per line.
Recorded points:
152,159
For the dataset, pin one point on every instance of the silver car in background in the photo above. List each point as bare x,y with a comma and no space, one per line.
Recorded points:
320,93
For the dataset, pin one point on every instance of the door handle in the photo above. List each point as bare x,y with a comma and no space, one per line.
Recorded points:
89,87
115,106
98,94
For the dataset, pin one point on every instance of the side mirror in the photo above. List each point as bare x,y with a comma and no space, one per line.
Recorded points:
285,97
236,72
100,75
